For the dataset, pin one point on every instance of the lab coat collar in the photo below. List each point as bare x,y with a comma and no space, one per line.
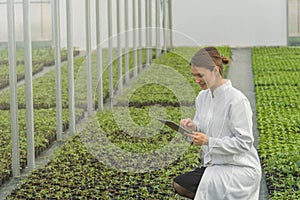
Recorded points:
220,90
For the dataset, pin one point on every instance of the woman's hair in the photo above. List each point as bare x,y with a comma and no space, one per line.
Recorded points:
209,57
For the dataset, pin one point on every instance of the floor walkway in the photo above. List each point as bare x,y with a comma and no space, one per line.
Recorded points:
241,75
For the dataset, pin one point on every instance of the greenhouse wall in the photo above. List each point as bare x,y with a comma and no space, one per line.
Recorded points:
40,20
214,22
79,22
196,22
230,22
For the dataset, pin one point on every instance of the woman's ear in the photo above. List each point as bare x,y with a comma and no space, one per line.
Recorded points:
216,68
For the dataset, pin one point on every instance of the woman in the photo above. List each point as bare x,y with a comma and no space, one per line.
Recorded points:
230,167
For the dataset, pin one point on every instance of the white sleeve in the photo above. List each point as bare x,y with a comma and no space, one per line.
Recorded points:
241,139
196,116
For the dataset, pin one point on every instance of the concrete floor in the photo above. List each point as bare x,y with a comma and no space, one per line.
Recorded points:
241,75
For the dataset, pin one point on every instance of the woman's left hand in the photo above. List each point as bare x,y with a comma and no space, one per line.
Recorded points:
200,138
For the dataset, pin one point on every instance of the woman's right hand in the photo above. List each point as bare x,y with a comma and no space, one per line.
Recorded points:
188,123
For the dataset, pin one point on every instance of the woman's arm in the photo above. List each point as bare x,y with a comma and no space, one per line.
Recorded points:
240,115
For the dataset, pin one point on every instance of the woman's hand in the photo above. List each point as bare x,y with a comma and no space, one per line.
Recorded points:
199,138
188,123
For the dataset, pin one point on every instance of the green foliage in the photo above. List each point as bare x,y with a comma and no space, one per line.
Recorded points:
276,78
44,101
44,115
125,153
167,82
44,133
78,171
41,58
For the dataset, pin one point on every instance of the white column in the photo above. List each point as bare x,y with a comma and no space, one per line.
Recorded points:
28,85
165,25
150,30
58,71
88,58
147,30
119,44
134,39
110,47
158,25
70,47
170,25
99,56
126,42
13,89
140,60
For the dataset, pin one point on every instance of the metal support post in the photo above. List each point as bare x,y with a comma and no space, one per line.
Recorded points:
119,44
134,43
71,92
88,58
150,30
110,47
13,89
170,24
147,32
165,25
127,73
28,86
52,23
57,68
158,25
99,57
140,60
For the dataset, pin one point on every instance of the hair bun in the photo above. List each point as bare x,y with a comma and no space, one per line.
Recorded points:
225,60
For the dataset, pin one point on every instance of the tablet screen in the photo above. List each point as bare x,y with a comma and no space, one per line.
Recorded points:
176,127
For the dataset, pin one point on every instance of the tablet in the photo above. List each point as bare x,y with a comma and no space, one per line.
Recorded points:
176,127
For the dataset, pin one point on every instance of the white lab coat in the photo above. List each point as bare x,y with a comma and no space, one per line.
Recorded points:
233,167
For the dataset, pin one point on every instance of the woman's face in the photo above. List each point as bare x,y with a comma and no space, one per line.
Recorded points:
204,77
